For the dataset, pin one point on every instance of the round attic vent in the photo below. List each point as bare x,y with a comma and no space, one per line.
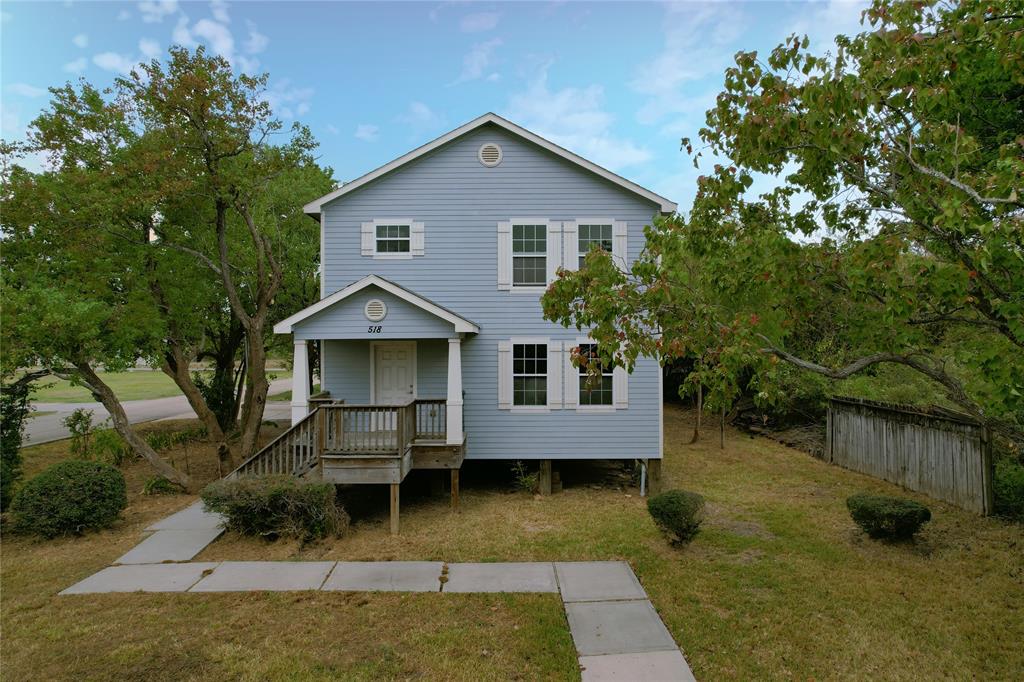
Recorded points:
490,154
375,310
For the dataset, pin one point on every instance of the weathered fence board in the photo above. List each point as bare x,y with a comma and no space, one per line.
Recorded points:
940,453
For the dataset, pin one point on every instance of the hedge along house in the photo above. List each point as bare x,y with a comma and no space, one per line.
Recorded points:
433,344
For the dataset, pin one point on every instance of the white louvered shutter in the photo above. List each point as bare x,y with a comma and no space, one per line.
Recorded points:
555,371
367,239
417,239
620,388
570,245
505,255
504,375
619,243
572,377
554,250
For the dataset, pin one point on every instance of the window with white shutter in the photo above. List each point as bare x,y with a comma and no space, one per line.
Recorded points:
530,374
392,238
589,392
529,254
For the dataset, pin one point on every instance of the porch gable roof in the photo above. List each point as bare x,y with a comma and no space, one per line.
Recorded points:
461,324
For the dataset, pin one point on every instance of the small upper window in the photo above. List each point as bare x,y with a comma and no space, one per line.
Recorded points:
594,389
529,255
530,374
591,236
393,239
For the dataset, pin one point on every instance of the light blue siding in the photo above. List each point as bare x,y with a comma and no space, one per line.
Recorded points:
345,320
461,203
347,369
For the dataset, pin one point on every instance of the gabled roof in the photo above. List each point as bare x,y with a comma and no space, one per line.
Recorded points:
667,206
460,323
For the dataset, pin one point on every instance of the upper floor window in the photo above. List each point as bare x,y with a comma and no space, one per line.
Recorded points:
529,255
390,238
530,374
591,236
393,239
595,389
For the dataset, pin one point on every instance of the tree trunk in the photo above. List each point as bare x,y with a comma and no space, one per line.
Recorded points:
124,427
700,409
176,366
257,388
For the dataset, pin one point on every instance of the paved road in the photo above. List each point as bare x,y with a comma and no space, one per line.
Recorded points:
48,427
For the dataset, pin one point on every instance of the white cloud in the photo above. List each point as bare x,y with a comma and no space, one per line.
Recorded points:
154,11
114,62
217,36
332,129
76,65
823,21
181,35
478,61
574,118
367,132
80,40
697,38
26,90
480,21
420,117
219,10
124,15
150,49
257,42
288,101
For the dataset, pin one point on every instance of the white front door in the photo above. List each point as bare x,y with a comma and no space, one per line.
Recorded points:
394,372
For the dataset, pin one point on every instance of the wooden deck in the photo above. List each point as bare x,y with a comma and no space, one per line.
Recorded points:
356,444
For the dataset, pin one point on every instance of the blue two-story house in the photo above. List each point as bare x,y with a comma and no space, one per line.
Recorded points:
432,341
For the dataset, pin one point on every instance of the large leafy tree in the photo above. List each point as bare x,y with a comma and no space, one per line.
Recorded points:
894,232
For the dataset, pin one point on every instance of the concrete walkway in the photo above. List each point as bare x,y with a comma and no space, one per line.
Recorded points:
50,427
617,632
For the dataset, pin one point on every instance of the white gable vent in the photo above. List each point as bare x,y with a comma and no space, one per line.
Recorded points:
375,310
490,154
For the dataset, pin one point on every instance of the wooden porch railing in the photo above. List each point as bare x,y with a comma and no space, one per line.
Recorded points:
337,428
431,418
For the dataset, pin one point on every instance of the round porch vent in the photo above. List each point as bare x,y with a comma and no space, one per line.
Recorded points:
490,154
375,310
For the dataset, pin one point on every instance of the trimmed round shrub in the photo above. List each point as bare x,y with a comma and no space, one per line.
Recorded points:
892,518
277,505
678,513
69,498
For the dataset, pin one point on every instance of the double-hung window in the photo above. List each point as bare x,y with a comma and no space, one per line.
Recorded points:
393,239
595,382
529,374
591,236
529,255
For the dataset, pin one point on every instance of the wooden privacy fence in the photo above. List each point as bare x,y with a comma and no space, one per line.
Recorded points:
943,454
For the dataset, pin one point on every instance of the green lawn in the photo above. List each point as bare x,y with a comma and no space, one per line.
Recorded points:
136,385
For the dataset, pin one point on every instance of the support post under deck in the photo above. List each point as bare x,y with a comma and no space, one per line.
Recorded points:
455,489
394,508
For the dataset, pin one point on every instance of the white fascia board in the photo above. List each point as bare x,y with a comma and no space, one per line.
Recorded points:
461,325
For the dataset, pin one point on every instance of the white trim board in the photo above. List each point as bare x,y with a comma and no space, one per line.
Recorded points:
461,324
313,208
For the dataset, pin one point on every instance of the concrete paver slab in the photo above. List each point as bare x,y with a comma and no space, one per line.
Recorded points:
617,627
192,517
170,545
501,577
142,578
269,576
664,666
597,581
386,576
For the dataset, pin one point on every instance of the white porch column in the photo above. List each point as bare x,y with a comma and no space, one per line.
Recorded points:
453,425
300,382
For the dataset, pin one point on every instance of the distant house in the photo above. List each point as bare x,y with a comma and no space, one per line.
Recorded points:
430,326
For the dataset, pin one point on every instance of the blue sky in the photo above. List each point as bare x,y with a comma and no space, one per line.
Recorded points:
618,83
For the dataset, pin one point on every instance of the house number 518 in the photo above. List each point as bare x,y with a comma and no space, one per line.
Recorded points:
373,329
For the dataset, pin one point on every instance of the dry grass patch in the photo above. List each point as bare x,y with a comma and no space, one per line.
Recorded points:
266,636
